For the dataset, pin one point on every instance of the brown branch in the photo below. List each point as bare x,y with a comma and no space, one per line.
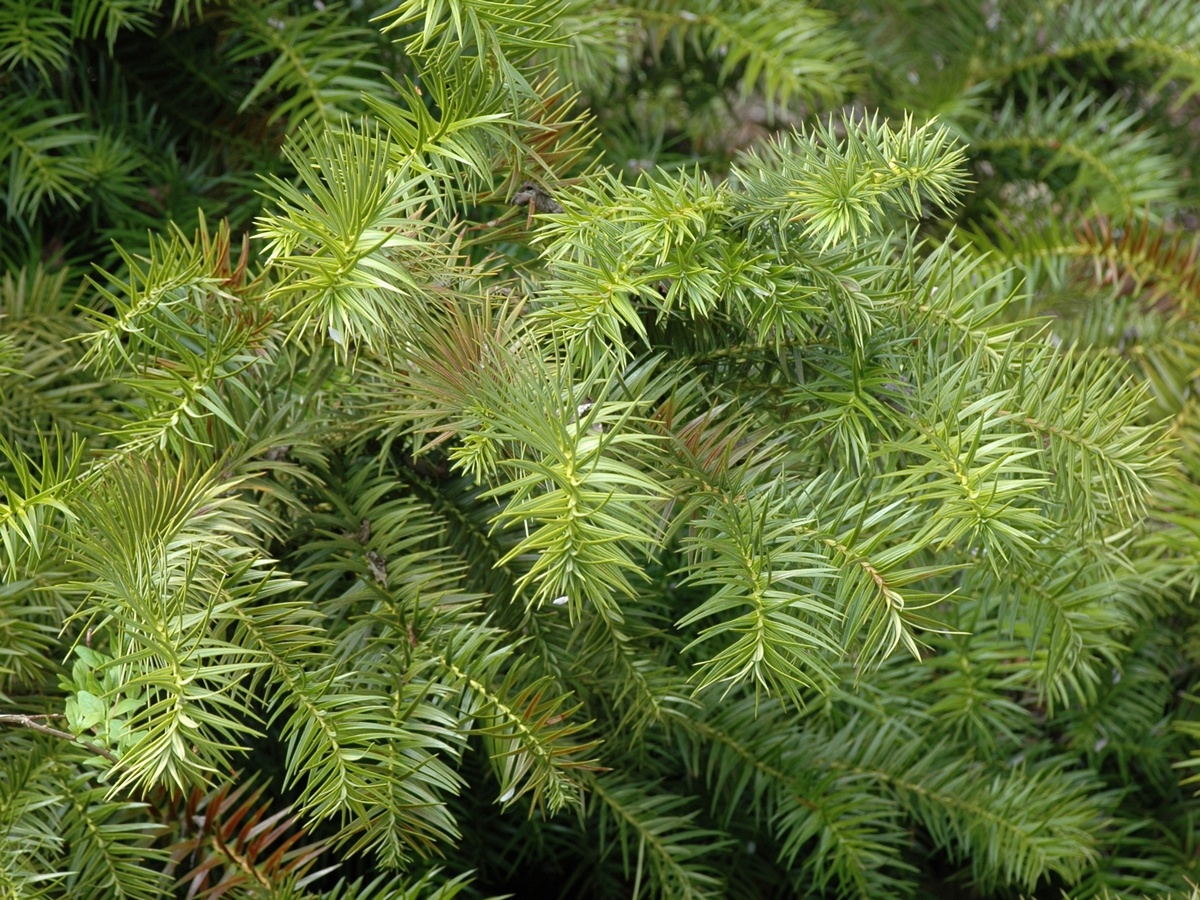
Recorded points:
32,723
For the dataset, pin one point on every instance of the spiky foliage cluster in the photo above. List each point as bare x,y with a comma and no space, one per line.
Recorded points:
722,449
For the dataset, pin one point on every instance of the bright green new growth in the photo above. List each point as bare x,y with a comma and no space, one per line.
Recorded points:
449,484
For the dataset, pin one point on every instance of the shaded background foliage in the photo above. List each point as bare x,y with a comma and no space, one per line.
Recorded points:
479,446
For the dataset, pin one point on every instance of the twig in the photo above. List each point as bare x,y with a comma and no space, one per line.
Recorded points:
31,722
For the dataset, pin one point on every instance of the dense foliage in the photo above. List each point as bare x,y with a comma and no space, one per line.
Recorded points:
731,448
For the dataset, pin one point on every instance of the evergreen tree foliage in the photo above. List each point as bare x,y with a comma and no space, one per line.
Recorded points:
560,448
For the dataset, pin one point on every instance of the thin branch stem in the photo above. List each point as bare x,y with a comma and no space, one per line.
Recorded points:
32,723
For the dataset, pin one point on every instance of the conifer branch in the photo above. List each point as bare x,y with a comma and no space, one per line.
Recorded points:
42,728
